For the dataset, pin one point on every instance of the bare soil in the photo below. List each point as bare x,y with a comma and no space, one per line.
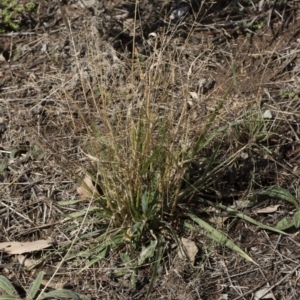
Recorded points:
40,137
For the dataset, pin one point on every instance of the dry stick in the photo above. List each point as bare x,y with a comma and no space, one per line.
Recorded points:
14,34
136,7
63,13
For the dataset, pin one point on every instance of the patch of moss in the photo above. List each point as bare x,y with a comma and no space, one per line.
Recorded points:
11,11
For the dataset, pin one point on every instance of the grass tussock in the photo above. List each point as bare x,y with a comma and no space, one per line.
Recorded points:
142,129
140,153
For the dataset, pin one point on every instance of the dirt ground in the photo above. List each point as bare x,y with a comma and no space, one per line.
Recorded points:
257,46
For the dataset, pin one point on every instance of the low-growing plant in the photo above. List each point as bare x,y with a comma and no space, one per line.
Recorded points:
276,192
288,94
10,12
8,291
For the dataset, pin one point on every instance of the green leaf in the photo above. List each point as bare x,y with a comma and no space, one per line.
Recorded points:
100,256
133,280
189,226
80,213
3,164
254,222
68,202
125,259
13,153
101,251
35,286
219,237
280,193
64,294
119,272
244,217
296,219
6,286
284,224
154,155
147,252
9,297
145,203
136,228
156,264
201,142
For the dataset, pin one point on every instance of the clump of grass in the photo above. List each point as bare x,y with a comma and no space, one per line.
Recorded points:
8,291
141,164
140,154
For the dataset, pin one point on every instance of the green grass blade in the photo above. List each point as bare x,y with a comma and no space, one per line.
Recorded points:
3,165
144,203
204,142
212,160
199,185
8,297
249,219
148,252
125,259
296,219
77,214
156,264
35,286
242,216
280,193
219,237
285,224
100,256
202,139
101,251
69,202
154,155
63,294
7,287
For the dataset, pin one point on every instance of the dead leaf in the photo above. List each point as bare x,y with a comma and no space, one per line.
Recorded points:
264,294
269,209
240,204
19,248
219,220
54,285
2,59
190,249
87,189
27,262
194,96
